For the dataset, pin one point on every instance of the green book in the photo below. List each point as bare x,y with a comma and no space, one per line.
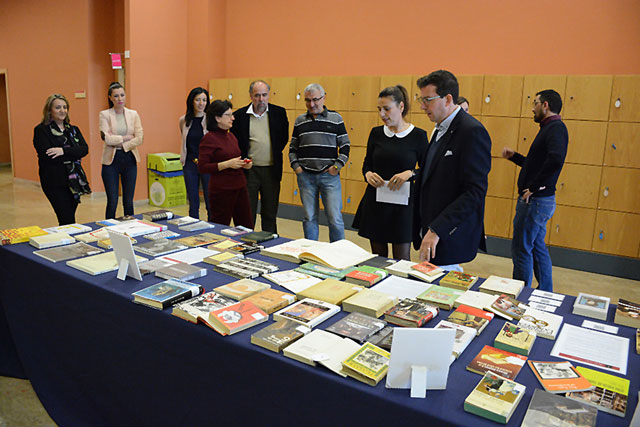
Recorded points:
323,272
441,296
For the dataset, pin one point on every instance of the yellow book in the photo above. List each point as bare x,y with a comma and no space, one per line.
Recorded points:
369,364
330,290
221,257
223,244
241,289
20,235
98,264
369,302
611,393
458,280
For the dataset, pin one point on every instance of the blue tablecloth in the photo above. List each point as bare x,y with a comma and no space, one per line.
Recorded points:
95,358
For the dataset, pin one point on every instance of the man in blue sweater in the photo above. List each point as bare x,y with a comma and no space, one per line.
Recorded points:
536,189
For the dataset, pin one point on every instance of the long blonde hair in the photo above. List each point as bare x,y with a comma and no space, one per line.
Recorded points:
46,111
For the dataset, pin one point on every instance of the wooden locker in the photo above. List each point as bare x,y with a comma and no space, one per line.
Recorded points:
622,148
586,141
503,132
292,115
239,92
625,99
354,164
301,83
364,93
535,84
619,190
502,96
578,185
616,233
471,88
353,191
527,133
286,188
587,98
359,127
405,80
572,227
283,92
497,216
501,178
414,94
218,89
420,120
338,92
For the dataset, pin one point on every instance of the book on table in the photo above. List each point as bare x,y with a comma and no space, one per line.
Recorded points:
158,215
359,327
196,226
279,335
197,309
50,240
426,271
245,248
627,313
200,240
70,229
378,262
137,227
271,300
441,296
593,306
508,307
258,236
12,236
236,231
183,220
471,317
292,280
479,300
241,289
610,393
236,318
501,285
106,243
323,272
369,302
383,338
291,250
365,276
98,264
559,377
400,287
245,268
464,336
515,339
160,247
190,256
153,265
322,347
401,268
223,245
458,280
548,409
330,290
166,234
339,254
222,257
545,325
308,312
495,398
499,361
411,313
181,271
67,252
164,294
369,364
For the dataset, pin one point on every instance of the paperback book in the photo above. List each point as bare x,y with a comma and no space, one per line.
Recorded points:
545,325
330,290
158,215
369,302
610,393
464,335
458,280
98,264
292,280
159,247
401,268
357,326
237,317
471,317
369,364
222,257
181,271
196,226
223,245
501,285
258,236
411,313
627,313
508,307
135,228
245,268
245,248
548,409
559,377
241,289
383,339
515,339
441,296
324,348
50,240
271,300
184,220
164,294
166,234
19,235
64,253
236,231
200,240
279,335
106,243
426,271
495,398
197,309
479,300
498,361
307,312
365,276
323,272
70,229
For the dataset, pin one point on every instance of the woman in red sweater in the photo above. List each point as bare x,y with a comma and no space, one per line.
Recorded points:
219,156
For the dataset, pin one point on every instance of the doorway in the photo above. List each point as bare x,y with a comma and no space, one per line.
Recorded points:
5,134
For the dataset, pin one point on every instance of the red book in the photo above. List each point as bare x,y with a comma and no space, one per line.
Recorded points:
362,277
472,317
427,268
498,361
237,317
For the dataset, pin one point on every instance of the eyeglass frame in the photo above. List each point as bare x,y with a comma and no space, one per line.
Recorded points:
424,100
314,100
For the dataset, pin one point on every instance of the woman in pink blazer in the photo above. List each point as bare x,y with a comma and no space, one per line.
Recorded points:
121,131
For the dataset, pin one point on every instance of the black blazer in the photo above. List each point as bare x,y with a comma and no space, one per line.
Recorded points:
53,172
278,129
451,194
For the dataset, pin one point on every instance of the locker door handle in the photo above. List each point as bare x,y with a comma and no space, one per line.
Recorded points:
601,235
618,103
614,146
557,228
349,199
605,193
487,99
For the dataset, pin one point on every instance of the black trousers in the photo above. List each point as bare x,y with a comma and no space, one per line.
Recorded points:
63,203
264,180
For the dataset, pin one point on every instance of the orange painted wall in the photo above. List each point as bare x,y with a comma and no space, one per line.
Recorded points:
356,37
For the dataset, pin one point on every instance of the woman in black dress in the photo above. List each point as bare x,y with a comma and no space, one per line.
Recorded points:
60,146
393,151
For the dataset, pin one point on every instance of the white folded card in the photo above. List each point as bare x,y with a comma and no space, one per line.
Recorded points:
398,197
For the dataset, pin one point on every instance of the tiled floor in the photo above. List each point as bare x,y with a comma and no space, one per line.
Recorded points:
23,203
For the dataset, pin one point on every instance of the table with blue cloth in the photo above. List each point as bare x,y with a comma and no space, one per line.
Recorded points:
95,358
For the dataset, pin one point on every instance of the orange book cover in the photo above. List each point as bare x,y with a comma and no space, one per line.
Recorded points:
559,377
425,267
236,317
501,362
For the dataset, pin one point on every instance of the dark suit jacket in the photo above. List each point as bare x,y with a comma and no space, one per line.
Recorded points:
451,193
278,129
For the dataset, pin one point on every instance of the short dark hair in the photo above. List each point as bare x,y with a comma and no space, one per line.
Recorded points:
462,100
216,109
399,94
189,115
444,81
552,98
113,86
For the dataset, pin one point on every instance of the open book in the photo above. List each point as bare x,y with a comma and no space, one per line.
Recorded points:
339,254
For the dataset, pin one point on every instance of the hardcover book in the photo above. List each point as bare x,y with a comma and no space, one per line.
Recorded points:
98,264
279,335
63,253
369,302
369,364
136,228
245,268
237,317
198,308
508,307
308,312
400,287
271,300
290,251
339,254
20,235
70,229
458,280
627,313
184,220
196,226
106,243
383,339
411,313
501,285
258,236
223,245
245,248
164,294
610,393
158,215
330,290
401,268
190,256
494,398
159,247
545,325
166,234
322,347
378,262
241,289
559,377
593,306
471,317
357,326
365,276
292,280
51,240
200,240
479,300
498,361
515,339
548,409
428,269
464,335
236,231
181,271
153,265
441,296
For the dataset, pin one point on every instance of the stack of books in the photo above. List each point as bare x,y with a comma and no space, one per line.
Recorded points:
158,215
426,271
500,285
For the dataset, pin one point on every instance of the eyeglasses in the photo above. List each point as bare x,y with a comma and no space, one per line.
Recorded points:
426,99
314,100
536,102
227,114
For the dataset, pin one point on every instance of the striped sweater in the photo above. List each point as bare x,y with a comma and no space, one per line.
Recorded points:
319,143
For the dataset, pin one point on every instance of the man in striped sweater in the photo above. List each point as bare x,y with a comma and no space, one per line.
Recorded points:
319,149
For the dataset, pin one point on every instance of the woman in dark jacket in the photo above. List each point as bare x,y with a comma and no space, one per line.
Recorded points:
60,146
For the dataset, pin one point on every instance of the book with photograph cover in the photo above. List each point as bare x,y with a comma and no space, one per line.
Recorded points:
471,317
627,313
279,335
271,300
197,309
411,312
158,215
495,398
548,409
508,307
610,393
545,325
458,280
515,339
369,364
307,312
499,361
164,294
359,327
559,377
64,253
236,318
383,339
160,247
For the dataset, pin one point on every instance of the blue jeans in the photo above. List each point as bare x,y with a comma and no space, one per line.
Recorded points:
329,188
192,180
528,250
125,167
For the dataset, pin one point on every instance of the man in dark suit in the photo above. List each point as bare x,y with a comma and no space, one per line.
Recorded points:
452,182
262,130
